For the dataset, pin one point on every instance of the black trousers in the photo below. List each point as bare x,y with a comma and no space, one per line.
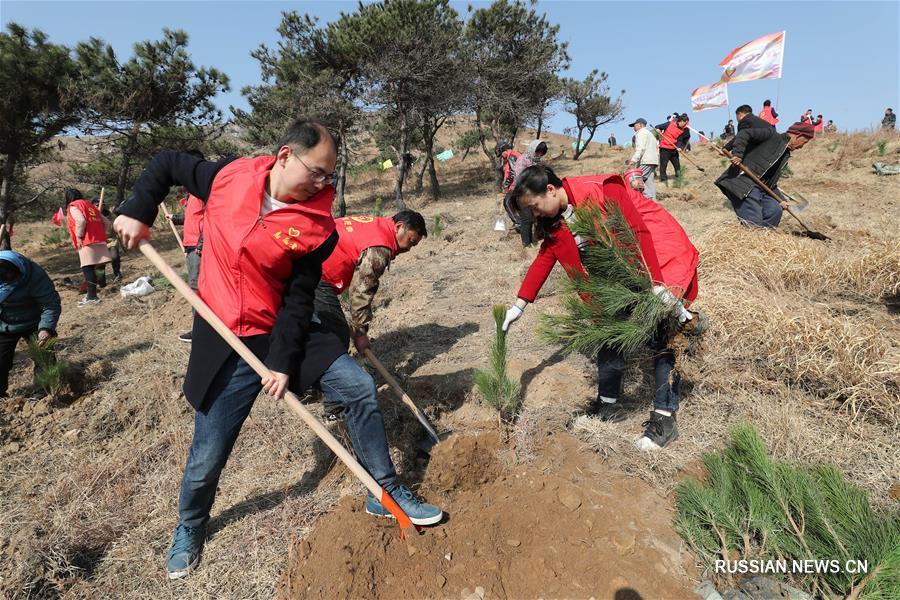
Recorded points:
666,155
90,277
328,308
526,226
8,343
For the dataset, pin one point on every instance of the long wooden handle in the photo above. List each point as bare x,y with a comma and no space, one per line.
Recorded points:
691,160
762,185
257,365
100,203
172,225
370,356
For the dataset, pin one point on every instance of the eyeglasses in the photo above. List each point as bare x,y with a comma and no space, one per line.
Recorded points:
315,174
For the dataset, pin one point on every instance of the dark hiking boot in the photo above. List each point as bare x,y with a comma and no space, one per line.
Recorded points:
659,432
611,412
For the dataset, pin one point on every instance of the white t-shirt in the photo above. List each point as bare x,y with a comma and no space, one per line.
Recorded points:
269,204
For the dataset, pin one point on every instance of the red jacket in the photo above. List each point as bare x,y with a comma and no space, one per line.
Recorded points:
247,259
95,233
669,255
508,181
355,235
768,115
193,221
670,136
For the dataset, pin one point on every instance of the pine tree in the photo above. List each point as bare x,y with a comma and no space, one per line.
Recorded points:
497,389
754,507
613,305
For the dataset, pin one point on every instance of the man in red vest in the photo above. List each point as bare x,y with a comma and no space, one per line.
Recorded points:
675,136
768,113
267,230
366,246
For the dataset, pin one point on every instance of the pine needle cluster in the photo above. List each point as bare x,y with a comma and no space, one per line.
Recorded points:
50,374
754,507
614,305
497,389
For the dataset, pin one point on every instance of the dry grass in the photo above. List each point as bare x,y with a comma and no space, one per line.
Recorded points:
88,504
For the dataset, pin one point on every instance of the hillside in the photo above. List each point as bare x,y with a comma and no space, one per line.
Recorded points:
805,344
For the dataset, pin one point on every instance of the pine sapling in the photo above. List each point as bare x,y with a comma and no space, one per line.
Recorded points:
50,374
613,305
498,391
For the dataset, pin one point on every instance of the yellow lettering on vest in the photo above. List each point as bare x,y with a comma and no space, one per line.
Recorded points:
277,235
363,219
293,232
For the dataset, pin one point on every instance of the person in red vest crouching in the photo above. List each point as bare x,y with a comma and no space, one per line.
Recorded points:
87,228
671,260
366,247
768,113
675,136
267,229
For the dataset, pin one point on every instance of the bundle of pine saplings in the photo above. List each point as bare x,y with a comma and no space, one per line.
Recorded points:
614,305
754,508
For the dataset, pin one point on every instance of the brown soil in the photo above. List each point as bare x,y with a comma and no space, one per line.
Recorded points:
563,526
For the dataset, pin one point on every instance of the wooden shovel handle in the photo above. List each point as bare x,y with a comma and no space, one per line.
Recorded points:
292,401
172,225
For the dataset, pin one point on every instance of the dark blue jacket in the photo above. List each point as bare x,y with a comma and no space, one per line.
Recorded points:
31,303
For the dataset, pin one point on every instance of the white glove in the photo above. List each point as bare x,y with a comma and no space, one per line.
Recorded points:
672,302
513,313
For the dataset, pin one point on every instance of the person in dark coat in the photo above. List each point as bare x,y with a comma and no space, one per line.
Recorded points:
29,306
765,152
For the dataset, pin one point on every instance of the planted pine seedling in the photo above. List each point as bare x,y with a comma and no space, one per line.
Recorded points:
497,389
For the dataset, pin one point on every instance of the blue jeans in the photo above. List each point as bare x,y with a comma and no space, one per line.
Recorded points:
757,209
232,394
611,368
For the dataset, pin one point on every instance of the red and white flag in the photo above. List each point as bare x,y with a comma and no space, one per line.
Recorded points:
58,217
705,97
759,59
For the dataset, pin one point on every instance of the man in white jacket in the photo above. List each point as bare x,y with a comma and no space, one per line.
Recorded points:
646,156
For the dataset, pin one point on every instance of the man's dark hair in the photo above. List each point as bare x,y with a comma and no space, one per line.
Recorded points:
72,195
767,103
413,221
305,134
502,146
743,109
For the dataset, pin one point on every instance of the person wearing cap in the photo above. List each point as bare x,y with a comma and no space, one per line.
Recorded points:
675,136
765,152
889,120
671,263
645,156
29,306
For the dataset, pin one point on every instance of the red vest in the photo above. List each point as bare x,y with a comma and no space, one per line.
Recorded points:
674,259
670,136
767,116
355,235
247,259
95,232
193,220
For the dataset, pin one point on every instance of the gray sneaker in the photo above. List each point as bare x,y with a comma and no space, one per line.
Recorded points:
88,301
184,553
419,512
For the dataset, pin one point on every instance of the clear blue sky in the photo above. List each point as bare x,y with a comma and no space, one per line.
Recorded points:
841,58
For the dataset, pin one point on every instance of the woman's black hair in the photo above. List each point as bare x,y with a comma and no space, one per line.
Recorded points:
541,148
72,195
534,180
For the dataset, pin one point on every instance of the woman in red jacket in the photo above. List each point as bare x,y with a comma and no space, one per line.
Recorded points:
670,258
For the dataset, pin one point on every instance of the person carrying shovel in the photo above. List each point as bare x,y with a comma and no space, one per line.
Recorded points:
766,152
267,230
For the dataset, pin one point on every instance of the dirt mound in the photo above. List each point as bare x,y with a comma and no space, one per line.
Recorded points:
564,526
